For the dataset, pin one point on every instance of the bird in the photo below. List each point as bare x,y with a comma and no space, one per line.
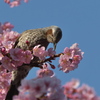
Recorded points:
27,41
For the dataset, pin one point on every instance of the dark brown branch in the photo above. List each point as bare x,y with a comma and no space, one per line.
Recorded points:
40,62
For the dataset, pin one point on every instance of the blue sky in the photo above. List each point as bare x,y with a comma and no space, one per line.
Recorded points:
80,23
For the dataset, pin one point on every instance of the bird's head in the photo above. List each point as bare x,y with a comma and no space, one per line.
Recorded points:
54,34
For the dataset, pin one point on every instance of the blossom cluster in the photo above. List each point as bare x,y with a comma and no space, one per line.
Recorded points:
7,40
45,88
46,71
14,3
70,58
41,52
72,91
5,79
17,58
48,87
7,37
5,26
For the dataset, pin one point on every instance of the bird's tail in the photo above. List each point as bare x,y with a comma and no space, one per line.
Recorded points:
11,92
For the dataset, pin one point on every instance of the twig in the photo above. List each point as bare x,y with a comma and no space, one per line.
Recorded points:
40,62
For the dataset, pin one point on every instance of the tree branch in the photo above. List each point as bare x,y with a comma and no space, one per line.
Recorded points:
40,62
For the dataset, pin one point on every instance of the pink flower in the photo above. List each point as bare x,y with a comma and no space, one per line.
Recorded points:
7,1
57,95
77,50
7,45
77,54
76,59
10,36
70,89
65,63
74,92
5,79
40,52
17,63
7,25
45,71
7,64
22,96
26,1
3,50
45,87
51,52
17,54
74,83
27,57
87,93
33,86
14,3
74,46
68,52
25,86
7,40
71,58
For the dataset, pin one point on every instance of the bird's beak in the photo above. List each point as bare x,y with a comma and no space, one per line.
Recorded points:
54,46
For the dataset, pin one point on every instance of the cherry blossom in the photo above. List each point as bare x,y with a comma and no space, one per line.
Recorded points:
24,97
27,57
5,79
7,26
3,51
16,54
87,93
26,1
19,56
45,88
40,52
68,52
51,52
74,92
14,3
7,63
70,58
10,36
7,45
7,40
7,1
70,89
45,71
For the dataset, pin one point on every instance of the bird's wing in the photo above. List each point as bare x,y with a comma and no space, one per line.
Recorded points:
33,37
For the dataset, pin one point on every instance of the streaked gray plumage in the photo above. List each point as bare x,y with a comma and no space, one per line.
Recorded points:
27,41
